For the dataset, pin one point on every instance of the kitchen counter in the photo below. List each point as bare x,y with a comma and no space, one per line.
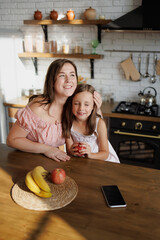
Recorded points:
17,102
87,216
106,110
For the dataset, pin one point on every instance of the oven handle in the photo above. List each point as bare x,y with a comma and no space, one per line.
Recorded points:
136,134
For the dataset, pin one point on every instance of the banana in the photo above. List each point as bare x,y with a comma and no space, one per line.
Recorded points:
44,194
38,174
31,184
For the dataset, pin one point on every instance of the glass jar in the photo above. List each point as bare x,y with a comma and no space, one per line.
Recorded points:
28,42
65,46
78,49
53,46
40,42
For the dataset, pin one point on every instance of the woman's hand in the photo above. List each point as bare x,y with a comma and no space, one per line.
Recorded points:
56,154
74,149
98,101
84,149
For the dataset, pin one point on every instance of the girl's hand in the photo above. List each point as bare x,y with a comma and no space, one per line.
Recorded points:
74,149
56,154
98,100
84,149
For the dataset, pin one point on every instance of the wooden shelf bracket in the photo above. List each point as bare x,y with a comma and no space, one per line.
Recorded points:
99,26
45,30
92,67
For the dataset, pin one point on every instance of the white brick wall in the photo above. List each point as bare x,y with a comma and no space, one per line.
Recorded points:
109,77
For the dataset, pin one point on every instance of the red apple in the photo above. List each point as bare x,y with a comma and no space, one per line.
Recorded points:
80,147
58,176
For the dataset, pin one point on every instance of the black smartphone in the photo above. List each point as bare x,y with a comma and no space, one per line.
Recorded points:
113,196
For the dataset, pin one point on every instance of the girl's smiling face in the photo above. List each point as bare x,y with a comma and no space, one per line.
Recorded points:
66,81
82,105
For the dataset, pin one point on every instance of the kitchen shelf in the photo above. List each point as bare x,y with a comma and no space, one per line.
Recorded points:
34,56
44,23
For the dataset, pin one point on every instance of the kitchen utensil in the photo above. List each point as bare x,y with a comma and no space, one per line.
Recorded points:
130,70
153,77
148,99
146,75
158,67
139,66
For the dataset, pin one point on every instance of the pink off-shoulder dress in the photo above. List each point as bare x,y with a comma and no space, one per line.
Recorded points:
39,130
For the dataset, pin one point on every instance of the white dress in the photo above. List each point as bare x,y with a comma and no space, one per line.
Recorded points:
92,140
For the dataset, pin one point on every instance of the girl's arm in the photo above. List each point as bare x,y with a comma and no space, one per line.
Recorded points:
103,152
17,139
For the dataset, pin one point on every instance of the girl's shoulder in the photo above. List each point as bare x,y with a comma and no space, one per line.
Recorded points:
101,124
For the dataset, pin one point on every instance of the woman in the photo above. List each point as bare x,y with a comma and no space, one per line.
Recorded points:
38,127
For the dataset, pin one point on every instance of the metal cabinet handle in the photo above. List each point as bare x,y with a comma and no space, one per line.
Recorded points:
136,134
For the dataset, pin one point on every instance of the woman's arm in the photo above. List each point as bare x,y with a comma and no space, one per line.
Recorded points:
71,147
17,139
103,152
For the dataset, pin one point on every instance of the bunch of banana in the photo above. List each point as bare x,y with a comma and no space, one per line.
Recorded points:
36,183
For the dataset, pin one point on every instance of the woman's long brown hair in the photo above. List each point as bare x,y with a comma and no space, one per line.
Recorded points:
51,76
68,117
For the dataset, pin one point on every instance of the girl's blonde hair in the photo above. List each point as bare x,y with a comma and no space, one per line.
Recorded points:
68,117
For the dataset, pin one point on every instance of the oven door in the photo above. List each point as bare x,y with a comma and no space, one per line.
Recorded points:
135,148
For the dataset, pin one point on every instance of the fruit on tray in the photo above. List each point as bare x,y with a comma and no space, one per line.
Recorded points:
35,181
38,174
31,184
44,194
58,176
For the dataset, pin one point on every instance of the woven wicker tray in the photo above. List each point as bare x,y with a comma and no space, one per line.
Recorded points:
63,194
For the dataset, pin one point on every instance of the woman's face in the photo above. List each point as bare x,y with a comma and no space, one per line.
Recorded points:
66,81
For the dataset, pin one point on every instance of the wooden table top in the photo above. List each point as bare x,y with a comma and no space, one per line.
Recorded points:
88,216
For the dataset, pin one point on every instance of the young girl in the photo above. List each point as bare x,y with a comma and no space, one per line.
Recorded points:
84,130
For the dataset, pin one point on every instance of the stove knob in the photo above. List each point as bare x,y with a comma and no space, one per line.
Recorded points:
123,124
138,126
154,127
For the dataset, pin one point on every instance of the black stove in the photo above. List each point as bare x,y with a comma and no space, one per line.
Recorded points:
136,109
